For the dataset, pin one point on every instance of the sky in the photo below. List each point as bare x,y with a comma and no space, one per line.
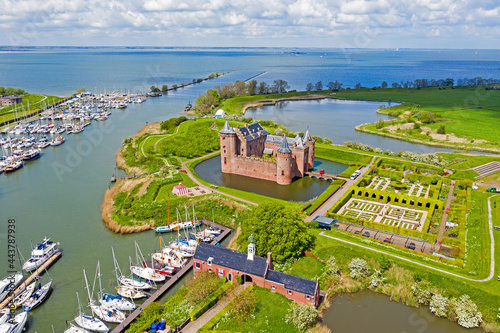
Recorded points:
469,24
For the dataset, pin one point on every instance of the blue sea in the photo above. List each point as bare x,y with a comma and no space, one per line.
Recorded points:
61,71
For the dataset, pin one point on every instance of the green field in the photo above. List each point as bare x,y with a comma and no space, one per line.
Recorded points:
467,108
341,154
35,102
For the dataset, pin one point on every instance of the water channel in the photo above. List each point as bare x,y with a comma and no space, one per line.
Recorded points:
336,119
372,312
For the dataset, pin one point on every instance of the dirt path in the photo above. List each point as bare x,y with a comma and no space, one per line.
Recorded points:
442,227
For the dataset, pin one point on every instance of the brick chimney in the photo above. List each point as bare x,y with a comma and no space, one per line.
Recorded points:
270,261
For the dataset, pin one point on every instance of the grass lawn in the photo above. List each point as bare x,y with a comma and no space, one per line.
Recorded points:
334,153
307,267
349,171
34,102
467,108
268,316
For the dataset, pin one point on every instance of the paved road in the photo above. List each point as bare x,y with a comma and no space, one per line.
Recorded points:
325,207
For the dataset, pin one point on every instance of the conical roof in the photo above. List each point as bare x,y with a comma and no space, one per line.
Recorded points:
284,146
307,136
298,141
227,129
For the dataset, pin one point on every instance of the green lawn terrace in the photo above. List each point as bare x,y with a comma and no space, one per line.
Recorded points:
409,199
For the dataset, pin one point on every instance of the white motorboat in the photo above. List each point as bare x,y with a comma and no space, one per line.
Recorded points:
31,154
40,254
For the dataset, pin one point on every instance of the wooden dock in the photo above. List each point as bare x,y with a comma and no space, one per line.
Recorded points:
30,279
173,280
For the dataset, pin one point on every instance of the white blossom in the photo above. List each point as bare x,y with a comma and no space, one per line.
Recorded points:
438,305
359,268
467,312
376,278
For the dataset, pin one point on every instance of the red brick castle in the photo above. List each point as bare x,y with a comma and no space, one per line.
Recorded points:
251,151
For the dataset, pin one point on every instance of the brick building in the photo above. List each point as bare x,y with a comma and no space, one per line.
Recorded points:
10,100
229,263
251,151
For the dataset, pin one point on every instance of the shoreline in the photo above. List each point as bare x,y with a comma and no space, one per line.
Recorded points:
270,102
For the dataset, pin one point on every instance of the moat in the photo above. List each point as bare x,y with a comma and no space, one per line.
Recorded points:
302,189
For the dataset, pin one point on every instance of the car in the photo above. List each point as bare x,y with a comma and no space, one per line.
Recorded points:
357,232
387,240
366,234
411,246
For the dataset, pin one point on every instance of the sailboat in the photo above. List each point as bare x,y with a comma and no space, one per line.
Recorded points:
58,139
108,315
75,329
16,325
38,296
89,322
23,295
128,281
109,301
4,315
9,283
143,272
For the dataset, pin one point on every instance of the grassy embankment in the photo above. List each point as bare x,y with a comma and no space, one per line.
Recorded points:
35,103
462,110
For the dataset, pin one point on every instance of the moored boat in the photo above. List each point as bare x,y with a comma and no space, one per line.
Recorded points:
40,254
31,154
37,297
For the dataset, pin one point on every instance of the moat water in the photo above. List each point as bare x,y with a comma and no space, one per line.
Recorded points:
301,190
372,312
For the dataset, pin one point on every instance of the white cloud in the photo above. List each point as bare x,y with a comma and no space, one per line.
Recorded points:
187,21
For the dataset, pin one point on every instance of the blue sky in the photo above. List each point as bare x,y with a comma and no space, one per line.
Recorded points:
226,23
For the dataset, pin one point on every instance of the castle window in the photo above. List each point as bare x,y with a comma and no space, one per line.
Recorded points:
225,160
282,172
224,151
223,138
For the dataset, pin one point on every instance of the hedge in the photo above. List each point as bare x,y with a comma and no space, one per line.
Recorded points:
212,322
210,301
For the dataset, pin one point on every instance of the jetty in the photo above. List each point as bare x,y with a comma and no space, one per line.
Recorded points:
30,279
172,281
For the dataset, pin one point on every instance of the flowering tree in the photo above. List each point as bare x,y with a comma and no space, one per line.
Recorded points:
359,268
467,312
438,305
376,278
423,291
302,316
331,268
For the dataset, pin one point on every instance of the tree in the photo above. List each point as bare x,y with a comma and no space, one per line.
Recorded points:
270,224
449,82
280,86
309,86
244,305
319,85
384,84
334,85
240,87
252,87
81,90
441,129
302,316
263,88
164,88
423,291
376,278
154,89
331,267
358,268
357,86
396,85
380,124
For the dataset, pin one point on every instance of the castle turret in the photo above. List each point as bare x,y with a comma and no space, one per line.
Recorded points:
309,142
227,147
284,174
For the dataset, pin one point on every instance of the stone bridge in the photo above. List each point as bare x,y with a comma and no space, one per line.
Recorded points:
317,175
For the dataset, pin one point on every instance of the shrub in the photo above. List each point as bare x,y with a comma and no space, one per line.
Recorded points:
359,268
376,278
385,263
331,268
441,129
438,305
302,316
422,290
210,301
467,312
244,305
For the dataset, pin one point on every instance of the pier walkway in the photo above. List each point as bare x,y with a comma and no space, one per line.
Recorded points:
173,280
30,279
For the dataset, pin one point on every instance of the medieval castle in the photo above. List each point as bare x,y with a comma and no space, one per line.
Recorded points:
251,151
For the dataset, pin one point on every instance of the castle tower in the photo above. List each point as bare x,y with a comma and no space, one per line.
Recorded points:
284,174
309,142
227,147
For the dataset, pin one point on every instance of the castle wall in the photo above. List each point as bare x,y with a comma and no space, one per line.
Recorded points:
254,167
